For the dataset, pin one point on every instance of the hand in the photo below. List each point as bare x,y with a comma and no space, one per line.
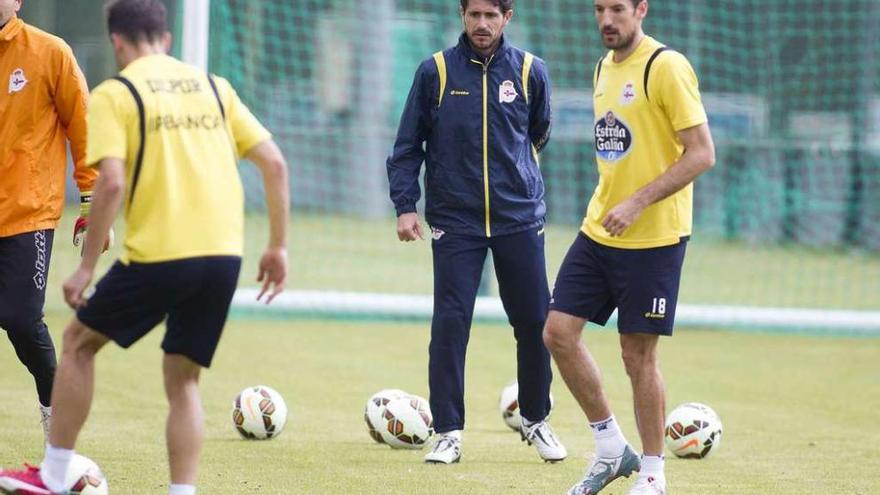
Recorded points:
408,227
79,230
273,272
79,235
75,286
622,216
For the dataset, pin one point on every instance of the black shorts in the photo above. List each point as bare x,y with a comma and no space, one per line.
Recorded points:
194,293
642,284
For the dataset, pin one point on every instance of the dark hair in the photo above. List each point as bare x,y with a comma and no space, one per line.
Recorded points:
504,5
137,20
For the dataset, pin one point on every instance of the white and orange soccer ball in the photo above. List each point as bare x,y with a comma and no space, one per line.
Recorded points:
84,477
693,431
259,413
406,423
508,405
375,409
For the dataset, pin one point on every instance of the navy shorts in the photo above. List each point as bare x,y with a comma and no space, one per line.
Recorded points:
642,284
193,293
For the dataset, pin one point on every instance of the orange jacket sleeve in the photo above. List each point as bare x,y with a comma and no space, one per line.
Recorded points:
71,97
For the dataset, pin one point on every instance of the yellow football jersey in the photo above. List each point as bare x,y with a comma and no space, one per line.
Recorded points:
637,118
184,196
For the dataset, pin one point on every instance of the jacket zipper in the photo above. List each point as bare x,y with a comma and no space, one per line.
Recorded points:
485,66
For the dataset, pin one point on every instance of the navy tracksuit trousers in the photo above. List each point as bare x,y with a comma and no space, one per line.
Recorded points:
522,279
24,269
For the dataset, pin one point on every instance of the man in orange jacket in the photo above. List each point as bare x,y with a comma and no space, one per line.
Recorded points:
42,102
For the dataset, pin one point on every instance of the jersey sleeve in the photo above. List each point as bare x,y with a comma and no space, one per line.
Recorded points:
245,129
70,98
408,153
540,113
675,88
110,108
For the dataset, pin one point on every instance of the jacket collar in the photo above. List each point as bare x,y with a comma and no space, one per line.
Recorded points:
11,29
464,45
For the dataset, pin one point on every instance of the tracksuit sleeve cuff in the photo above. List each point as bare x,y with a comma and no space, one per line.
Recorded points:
403,209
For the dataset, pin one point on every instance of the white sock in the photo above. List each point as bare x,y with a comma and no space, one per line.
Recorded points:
652,465
181,489
454,434
54,468
45,419
609,438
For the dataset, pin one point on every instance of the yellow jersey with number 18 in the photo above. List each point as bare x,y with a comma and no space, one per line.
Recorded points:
180,134
637,117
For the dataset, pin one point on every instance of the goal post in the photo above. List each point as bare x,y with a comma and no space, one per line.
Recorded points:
195,32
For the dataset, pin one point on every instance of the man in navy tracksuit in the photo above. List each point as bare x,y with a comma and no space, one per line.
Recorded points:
477,115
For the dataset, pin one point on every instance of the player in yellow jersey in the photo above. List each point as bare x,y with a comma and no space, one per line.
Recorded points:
652,140
166,137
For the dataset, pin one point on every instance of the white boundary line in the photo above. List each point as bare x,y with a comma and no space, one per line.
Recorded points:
369,305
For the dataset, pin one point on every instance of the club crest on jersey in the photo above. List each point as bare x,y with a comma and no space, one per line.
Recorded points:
506,92
17,81
613,138
628,94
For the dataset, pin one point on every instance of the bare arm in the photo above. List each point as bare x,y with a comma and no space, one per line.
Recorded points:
273,265
106,199
698,157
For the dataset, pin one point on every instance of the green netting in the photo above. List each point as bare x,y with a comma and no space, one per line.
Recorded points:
789,217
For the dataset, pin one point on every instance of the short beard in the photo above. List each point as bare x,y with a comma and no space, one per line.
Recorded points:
622,44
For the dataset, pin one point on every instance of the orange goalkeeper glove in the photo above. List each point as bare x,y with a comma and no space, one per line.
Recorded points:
82,223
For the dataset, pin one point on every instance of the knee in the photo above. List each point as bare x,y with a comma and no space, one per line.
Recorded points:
19,323
181,375
181,387
529,329
450,328
637,361
558,337
80,342
451,317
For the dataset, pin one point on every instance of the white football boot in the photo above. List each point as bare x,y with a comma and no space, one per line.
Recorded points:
446,450
604,470
545,441
649,485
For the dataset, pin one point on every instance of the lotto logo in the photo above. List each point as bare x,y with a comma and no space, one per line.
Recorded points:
40,264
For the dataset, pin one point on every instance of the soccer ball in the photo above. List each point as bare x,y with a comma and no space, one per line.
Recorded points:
693,430
259,413
375,408
407,423
84,477
508,404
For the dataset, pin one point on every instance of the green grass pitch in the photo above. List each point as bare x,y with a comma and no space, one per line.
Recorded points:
799,413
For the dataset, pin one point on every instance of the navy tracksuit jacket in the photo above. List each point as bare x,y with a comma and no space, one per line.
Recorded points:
478,125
